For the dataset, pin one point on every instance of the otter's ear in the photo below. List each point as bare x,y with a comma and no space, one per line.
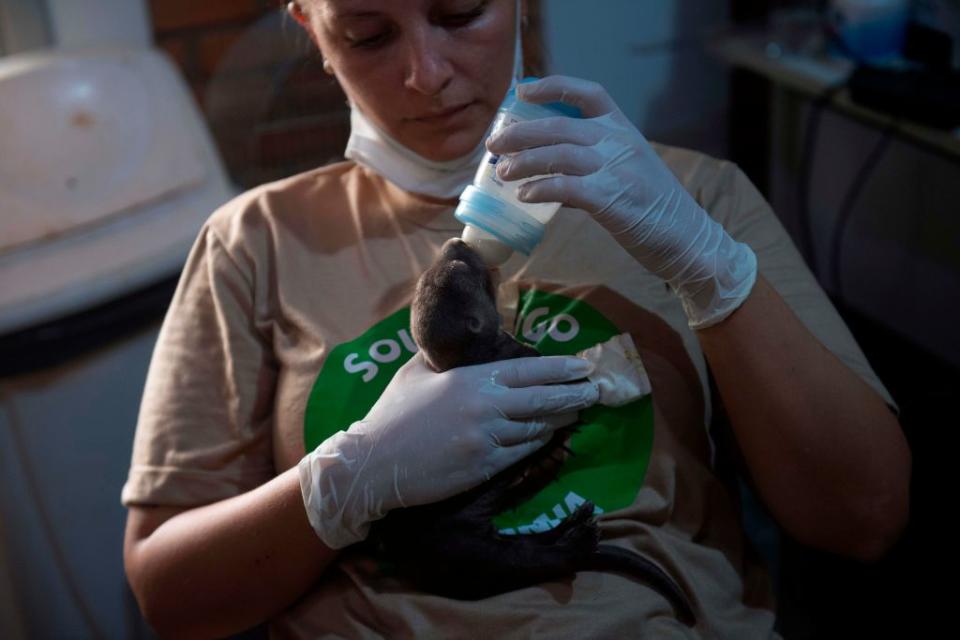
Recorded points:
474,324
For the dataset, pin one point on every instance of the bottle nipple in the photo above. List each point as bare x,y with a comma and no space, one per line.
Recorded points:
488,247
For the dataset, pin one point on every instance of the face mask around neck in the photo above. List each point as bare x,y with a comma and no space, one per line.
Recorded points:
373,148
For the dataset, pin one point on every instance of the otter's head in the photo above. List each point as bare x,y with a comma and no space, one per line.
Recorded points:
454,315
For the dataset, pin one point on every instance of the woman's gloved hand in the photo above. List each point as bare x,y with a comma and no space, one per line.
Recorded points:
433,435
607,168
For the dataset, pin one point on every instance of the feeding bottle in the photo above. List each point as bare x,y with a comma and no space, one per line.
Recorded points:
497,222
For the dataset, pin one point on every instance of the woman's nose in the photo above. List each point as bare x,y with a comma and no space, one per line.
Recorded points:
428,69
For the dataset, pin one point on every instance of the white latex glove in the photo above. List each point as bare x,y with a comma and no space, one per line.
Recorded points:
433,435
608,169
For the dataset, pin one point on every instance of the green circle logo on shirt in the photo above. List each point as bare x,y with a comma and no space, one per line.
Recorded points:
611,451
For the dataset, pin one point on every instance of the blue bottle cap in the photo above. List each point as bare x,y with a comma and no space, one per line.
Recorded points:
508,223
534,111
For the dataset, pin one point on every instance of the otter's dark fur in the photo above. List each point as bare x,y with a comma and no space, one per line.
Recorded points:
452,547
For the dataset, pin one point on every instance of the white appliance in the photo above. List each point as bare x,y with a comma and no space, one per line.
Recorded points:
107,172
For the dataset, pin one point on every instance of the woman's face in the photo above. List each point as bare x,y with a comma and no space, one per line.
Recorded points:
431,73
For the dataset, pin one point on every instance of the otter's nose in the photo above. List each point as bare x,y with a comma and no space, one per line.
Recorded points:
455,249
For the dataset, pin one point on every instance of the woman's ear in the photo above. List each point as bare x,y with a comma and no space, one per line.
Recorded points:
296,12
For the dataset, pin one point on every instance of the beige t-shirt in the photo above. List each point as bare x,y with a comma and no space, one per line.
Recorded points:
293,313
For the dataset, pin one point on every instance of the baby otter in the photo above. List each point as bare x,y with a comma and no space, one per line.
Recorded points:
452,547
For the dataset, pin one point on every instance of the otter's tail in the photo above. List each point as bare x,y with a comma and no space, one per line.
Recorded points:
616,559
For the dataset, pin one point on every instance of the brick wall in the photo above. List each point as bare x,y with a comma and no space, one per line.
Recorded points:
259,82
272,110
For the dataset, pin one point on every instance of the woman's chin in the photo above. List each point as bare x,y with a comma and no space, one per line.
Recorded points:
444,152
443,147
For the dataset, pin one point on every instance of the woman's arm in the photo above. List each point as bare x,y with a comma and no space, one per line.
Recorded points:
222,568
827,455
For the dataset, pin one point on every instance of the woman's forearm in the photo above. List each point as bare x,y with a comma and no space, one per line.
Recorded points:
826,454
218,569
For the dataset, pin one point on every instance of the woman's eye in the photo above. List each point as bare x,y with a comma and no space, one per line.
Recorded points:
451,20
463,18
369,42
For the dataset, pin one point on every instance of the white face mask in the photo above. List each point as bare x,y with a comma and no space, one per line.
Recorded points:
376,149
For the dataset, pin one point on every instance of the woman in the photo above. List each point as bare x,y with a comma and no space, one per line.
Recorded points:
290,320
